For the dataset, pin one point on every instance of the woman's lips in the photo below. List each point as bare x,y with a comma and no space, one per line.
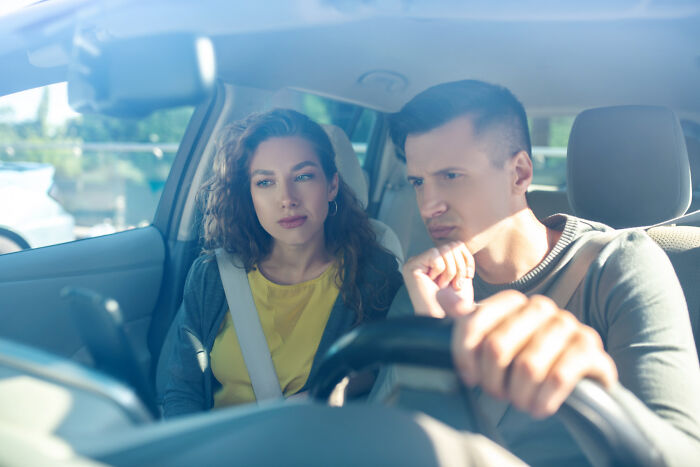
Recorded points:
440,231
292,222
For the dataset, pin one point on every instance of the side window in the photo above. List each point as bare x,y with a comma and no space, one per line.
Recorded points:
357,122
550,136
66,176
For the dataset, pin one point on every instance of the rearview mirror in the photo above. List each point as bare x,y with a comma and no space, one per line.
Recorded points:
136,76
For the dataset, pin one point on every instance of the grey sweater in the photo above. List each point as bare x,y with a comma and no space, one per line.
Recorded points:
632,298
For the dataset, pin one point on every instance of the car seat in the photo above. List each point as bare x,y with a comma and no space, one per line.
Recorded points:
349,168
692,143
544,203
627,166
399,208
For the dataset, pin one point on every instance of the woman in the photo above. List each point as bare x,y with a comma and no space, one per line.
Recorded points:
315,269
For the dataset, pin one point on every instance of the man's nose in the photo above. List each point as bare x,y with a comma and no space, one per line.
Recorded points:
430,202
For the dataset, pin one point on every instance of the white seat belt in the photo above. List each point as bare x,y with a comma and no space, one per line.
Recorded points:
246,323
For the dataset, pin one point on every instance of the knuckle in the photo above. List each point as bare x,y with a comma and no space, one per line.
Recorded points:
494,350
593,337
527,369
559,377
587,337
566,321
560,320
543,303
444,249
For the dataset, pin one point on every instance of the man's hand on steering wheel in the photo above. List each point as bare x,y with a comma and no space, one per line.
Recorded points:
524,349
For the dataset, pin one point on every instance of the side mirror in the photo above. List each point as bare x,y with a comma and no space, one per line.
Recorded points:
136,76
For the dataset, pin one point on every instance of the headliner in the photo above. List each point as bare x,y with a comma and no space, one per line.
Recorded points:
556,58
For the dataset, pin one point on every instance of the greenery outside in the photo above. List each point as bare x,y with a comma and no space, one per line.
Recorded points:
106,168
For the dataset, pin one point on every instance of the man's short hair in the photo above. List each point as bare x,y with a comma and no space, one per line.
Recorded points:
491,108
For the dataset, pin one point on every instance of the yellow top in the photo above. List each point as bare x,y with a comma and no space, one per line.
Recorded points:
293,318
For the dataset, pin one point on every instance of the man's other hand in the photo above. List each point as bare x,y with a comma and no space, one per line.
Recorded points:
525,349
449,266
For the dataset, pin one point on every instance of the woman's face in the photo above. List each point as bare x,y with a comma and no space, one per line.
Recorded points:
290,191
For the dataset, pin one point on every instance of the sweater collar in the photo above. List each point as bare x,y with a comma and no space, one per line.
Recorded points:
570,228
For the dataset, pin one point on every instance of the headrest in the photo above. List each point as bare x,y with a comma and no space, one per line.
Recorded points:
627,166
347,162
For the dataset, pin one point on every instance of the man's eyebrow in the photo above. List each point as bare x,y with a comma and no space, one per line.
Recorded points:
448,170
412,177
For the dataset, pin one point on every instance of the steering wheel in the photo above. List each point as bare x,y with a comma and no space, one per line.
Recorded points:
589,411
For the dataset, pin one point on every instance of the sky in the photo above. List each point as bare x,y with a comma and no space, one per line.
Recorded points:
25,104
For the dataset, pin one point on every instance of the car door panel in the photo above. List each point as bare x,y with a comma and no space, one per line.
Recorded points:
127,266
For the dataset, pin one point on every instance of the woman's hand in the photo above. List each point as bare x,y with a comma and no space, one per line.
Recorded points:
449,266
525,349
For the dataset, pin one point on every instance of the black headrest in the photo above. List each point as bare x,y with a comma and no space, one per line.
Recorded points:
628,166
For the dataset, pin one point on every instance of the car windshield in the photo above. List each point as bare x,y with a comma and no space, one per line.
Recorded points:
75,176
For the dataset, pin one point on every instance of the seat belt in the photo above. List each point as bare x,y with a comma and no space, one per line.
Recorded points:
564,286
246,323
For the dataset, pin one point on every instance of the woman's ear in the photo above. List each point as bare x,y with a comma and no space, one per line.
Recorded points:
522,172
333,187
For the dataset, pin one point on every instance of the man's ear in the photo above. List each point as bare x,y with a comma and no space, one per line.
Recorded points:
333,187
522,172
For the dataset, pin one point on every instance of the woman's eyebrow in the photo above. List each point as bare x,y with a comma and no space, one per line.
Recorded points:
303,164
261,172
298,166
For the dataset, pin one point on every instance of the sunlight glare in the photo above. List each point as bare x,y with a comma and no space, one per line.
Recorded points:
8,6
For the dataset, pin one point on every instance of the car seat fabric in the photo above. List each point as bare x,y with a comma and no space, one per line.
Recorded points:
693,146
349,168
399,210
682,245
545,203
347,163
628,167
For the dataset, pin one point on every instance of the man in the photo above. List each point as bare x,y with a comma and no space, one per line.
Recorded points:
468,156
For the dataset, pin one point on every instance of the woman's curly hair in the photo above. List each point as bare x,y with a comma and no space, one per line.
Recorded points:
229,218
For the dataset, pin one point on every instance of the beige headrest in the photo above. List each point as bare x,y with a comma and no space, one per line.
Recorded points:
347,163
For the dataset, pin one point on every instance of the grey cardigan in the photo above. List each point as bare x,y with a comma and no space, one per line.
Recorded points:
189,384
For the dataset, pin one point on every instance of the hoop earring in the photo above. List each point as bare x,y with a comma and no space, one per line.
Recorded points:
332,208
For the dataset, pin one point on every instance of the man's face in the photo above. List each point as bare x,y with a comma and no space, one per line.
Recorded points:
461,193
